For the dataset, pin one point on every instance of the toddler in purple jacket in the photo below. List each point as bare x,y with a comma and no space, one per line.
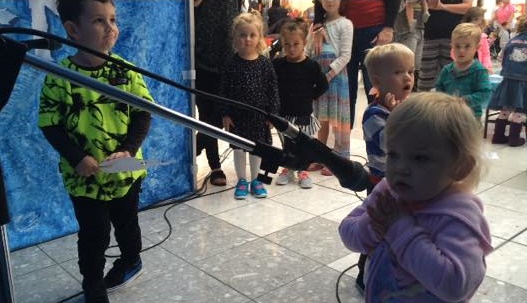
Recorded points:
422,227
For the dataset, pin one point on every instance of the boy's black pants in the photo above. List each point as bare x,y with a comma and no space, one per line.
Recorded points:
94,218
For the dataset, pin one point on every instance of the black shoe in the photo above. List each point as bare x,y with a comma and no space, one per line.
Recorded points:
218,178
122,274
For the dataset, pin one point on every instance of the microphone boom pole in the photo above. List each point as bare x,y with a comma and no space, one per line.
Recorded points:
140,103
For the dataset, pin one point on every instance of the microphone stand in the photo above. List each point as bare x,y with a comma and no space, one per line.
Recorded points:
272,157
6,282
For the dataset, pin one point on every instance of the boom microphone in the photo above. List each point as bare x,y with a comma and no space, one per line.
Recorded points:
351,174
41,44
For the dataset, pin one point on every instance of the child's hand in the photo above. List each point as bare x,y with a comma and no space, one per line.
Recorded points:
227,123
386,212
319,36
118,155
385,36
330,75
87,167
390,102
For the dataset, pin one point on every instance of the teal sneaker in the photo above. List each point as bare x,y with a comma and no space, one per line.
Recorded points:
242,189
257,189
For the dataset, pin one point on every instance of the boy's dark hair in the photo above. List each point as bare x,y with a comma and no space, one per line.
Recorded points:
292,25
70,10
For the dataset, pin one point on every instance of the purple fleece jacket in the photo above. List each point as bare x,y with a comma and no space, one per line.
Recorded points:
436,254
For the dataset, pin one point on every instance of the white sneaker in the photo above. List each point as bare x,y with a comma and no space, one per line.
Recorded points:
304,180
285,177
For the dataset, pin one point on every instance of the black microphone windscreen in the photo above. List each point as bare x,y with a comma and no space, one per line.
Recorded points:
42,44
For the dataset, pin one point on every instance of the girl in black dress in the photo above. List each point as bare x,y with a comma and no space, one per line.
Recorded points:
249,77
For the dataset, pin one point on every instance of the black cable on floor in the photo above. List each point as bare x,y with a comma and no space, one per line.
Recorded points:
338,281
200,192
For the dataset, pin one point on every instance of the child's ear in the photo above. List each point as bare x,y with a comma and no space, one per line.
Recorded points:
462,168
375,80
71,29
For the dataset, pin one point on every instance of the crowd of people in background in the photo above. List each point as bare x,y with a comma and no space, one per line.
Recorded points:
424,26
398,47
339,36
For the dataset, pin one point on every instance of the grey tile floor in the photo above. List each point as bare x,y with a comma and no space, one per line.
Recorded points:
281,249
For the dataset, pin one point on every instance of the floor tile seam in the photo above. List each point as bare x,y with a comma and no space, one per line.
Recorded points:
511,240
478,192
37,270
53,261
173,225
500,206
210,274
294,280
256,237
511,177
519,174
314,270
285,192
197,267
188,262
51,257
343,190
295,208
68,272
303,255
504,282
319,264
322,214
221,212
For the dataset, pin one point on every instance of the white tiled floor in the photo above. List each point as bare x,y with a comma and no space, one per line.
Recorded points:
281,249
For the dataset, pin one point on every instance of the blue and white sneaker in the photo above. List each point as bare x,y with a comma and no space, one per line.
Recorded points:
257,189
242,190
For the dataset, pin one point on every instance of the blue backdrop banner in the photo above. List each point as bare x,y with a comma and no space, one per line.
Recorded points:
154,35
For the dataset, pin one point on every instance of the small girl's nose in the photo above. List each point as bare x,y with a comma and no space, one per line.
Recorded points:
401,168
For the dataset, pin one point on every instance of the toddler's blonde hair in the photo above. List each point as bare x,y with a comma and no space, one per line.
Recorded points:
252,18
377,56
467,30
447,117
